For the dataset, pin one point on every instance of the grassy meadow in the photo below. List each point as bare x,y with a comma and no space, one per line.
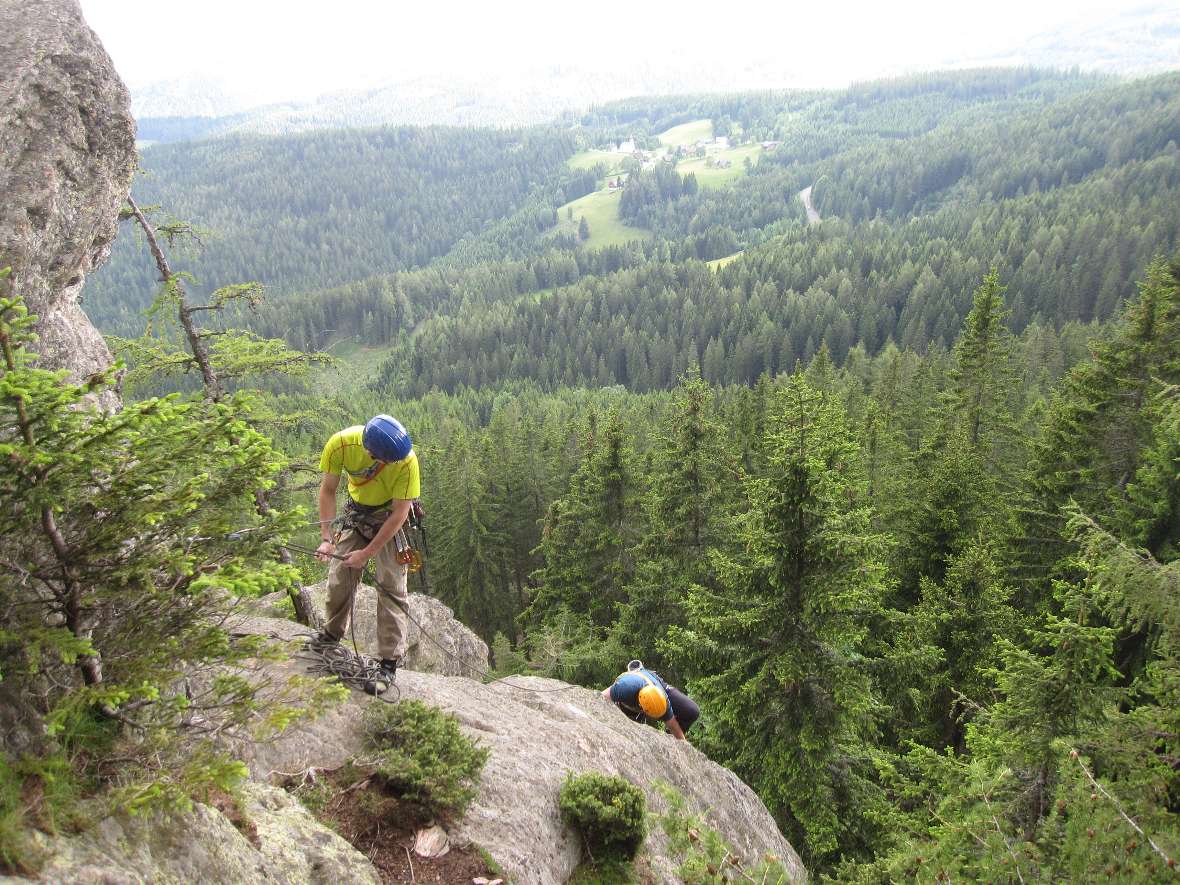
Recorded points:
711,176
687,133
601,211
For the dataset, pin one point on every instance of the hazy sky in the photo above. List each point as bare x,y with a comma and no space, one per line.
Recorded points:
294,49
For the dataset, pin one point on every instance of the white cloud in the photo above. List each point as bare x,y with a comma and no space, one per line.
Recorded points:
298,49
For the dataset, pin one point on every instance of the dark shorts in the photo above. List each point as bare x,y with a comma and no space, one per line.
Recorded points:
687,712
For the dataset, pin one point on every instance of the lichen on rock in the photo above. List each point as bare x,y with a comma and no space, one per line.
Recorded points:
67,154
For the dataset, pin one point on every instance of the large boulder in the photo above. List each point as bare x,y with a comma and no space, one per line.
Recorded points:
539,731
284,844
67,154
437,641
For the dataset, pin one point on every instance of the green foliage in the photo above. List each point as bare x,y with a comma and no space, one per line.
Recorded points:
607,871
42,792
1065,777
117,576
421,753
706,858
585,549
607,810
693,479
776,650
508,661
350,204
1101,426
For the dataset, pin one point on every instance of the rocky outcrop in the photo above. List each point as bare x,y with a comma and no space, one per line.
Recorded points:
538,731
67,153
437,641
283,843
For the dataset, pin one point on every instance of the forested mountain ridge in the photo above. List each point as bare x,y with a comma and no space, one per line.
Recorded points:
307,211
913,178
1066,251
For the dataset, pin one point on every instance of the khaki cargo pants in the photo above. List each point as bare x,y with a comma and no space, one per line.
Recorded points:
391,590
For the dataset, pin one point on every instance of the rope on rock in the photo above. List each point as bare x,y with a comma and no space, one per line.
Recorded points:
354,668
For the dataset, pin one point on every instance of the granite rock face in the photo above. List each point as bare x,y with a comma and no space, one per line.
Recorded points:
538,731
288,846
67,154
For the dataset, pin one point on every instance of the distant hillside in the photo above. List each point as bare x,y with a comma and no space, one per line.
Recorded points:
1138,41
324,208
921,183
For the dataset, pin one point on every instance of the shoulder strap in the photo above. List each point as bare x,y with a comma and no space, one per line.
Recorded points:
369,479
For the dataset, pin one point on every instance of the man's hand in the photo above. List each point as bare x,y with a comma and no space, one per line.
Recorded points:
324,551
606,693
358,558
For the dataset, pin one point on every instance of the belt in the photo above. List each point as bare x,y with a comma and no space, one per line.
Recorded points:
365,519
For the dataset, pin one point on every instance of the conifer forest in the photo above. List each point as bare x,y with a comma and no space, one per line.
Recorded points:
894,494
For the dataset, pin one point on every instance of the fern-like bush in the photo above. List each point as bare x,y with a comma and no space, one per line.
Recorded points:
706,858
421,754
607,810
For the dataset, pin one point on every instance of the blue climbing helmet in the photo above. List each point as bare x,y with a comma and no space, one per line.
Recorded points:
385,439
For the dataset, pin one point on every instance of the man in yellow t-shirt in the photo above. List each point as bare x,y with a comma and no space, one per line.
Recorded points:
382,470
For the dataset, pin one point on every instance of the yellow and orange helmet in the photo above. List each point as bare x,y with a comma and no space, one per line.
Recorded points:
652,701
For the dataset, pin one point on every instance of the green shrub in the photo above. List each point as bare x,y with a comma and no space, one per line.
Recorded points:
509,661
16,855
608,812
604,871
118,574
423,756
706,858
36,792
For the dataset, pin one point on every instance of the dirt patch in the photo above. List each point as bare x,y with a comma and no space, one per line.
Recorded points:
383,828
232,809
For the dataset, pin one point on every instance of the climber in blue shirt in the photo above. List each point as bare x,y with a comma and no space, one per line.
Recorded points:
642,693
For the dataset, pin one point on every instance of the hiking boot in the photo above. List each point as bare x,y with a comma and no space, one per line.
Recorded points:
382,678
322,639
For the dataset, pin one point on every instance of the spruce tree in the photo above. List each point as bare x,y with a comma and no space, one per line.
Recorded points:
775,649
1100,427
1070,775
469,543
585,547
122,561
690,502
966,465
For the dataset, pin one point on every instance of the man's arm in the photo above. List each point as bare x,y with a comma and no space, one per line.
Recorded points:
674,729
606,694
329,482
389,528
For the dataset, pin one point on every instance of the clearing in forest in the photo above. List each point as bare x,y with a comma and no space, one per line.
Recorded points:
612,160
359,364
727,165
601,211
718,263
687,133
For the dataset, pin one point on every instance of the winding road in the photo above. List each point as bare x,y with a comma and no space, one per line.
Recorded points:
812,215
